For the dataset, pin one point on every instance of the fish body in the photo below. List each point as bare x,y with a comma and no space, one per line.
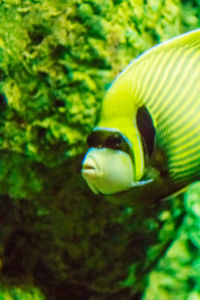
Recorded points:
164,82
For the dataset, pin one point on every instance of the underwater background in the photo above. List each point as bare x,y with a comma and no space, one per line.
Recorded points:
57,240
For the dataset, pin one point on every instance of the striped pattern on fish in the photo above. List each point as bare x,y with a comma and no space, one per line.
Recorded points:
166,80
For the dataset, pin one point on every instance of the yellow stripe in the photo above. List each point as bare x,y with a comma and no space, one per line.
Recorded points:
183,87
186,157
175,43
181,170
190,169
186,135
191,154
152,65
184,139
183,146
148,65
155,77
143,69
192,119
169,89
164,84
159,80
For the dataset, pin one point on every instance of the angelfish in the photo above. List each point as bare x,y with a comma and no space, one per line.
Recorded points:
147,140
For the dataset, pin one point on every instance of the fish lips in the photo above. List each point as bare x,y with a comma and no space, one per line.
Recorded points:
91,172
90,169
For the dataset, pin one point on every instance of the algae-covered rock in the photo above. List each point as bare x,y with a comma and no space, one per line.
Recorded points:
177,275
57,58
16,293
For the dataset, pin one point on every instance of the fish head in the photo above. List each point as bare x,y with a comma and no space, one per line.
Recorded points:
108,171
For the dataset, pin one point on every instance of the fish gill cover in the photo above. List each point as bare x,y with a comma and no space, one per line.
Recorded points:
57,58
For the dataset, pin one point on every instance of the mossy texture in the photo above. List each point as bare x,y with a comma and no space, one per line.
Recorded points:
16,293
177,276
57,58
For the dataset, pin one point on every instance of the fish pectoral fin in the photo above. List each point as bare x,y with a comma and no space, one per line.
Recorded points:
145,192
158,161
141,183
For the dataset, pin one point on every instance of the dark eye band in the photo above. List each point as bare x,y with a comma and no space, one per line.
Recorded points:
109,139
114,142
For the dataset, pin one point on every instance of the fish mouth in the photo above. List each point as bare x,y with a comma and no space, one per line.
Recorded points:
89,168
90,173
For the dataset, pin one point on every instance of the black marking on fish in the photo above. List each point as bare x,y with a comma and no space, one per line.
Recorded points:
146,128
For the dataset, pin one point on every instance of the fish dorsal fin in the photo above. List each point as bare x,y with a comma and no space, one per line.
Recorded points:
186,40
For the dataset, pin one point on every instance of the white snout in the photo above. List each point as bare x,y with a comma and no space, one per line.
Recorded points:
90,168
107,171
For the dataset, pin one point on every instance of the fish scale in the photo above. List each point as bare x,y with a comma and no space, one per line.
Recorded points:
166,80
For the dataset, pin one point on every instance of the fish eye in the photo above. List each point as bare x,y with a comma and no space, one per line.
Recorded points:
105,139
94,141
113,142
91,141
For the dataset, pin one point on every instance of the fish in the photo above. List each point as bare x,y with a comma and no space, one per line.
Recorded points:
151,116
